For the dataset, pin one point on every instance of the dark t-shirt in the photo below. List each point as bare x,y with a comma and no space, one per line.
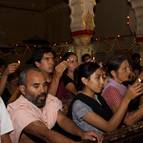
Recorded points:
62,92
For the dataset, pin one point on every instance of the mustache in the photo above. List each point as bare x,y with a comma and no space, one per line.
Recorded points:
43,94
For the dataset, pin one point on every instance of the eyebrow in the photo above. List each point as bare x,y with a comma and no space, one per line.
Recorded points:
36,84
48,57
98,74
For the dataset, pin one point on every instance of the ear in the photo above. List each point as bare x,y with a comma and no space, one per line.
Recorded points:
113,73
84,80
22,89
37,64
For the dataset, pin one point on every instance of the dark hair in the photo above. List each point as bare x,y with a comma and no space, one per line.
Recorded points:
23,74
2,62
115,62
38,54
67,55
136,62
13,75
84,57
135,55
84,70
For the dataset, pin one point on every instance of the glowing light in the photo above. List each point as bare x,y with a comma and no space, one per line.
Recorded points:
18,61
118,36
139,80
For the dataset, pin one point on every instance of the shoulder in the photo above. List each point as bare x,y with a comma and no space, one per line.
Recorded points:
79,105
109,90
21,107
53,101
3,110
52,98
80,109
1,104
6,124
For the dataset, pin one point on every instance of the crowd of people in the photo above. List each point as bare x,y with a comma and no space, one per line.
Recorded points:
70,102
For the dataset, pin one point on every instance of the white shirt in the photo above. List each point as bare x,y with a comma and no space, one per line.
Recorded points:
5,121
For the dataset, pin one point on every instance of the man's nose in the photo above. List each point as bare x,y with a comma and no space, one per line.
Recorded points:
42,89
129,70
102,80
51,61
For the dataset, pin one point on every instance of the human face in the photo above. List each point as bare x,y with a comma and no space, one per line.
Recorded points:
123,73
47,63
72,62
96,82
35,89
88,59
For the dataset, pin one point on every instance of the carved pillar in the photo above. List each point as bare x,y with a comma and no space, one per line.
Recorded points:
82,24
137,6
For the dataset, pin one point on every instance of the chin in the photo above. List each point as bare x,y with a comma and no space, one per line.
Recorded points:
125,79
41,105
50,71
98,91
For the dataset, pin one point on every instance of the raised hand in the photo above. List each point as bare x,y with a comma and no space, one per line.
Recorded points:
59,69
141,76
135,90
11,68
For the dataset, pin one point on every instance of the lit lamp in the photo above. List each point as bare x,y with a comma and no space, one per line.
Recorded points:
82,22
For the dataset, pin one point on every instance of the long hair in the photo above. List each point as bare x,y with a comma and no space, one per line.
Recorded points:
84,70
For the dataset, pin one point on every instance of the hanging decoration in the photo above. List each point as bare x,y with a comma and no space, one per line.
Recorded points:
82,20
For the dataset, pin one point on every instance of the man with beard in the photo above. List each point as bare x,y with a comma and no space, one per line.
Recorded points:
44,59
35,113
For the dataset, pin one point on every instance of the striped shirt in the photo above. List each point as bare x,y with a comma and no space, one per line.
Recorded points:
113,94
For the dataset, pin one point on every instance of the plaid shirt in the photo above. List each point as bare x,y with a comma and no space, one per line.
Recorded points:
113,94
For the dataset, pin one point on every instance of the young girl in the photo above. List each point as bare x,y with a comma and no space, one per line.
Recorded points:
89,110
66,87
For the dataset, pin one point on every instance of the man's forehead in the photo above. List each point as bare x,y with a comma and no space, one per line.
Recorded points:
49,54
32,74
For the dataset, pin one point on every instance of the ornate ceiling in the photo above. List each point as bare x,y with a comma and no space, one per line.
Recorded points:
31,5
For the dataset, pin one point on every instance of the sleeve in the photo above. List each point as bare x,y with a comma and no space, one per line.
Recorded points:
5,121
23,118
79,109
57,103
112,97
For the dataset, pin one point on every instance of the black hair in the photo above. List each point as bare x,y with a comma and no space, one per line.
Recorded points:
84,70
67,55
23,74
115,62
136,62
38,54
84,57
135,55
